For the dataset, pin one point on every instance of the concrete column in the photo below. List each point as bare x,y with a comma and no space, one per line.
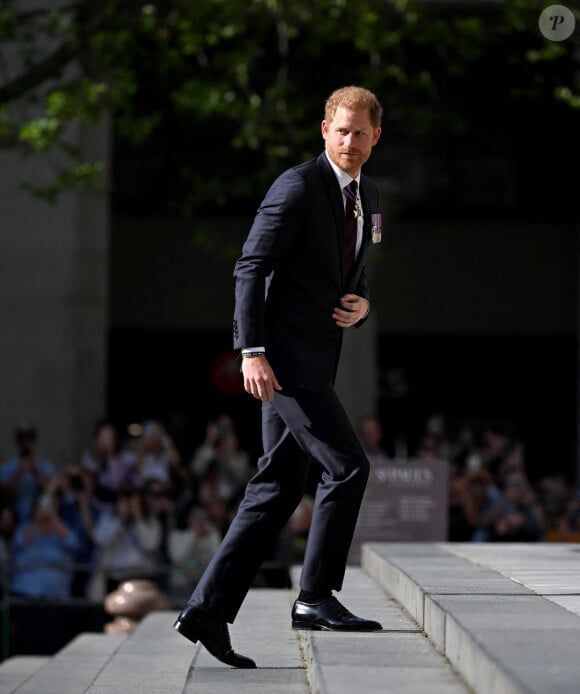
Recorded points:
577,86
577,413
53,304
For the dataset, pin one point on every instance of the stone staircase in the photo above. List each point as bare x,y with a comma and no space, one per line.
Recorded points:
490,619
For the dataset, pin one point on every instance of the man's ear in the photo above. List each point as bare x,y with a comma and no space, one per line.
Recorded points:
324,128
376,136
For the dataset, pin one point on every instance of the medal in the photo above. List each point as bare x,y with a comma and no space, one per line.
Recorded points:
376,223
357,209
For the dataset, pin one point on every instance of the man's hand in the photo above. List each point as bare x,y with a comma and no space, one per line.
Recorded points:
259,379
352,309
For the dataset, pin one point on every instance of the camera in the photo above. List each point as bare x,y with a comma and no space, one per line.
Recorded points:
76,482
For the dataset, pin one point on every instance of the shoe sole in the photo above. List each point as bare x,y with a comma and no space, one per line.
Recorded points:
312,626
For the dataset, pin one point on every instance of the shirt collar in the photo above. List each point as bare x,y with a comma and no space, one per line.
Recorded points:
343,178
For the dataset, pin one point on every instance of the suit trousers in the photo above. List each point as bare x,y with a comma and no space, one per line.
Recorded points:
297,426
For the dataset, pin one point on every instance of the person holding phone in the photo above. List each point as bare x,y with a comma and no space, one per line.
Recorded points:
27,475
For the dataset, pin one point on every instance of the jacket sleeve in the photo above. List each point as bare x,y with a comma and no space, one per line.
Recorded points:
278,219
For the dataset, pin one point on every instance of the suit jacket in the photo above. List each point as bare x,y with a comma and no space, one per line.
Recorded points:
289,277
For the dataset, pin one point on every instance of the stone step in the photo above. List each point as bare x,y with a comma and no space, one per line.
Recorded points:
506,616
71,671
262,631
155,659
16,670
398,659
152,660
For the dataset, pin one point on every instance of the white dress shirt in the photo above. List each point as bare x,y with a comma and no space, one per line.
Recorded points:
344,180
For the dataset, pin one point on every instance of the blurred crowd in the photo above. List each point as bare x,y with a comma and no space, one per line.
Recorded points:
133,508
491,495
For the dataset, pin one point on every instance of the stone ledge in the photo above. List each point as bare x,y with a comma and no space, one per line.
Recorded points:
501,635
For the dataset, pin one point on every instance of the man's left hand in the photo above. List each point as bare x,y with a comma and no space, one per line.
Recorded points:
352,309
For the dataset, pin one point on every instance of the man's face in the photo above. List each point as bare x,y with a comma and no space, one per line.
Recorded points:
349,138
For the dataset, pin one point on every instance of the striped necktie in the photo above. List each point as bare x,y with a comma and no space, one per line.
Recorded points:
350,227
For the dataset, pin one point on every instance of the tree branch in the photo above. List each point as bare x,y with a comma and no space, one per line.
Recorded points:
50,66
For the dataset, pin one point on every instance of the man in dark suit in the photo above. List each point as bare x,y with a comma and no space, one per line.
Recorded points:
300,282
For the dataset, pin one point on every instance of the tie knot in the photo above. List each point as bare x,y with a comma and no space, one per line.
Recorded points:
351,190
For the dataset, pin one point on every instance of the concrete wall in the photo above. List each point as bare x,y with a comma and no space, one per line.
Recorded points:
429,277
473,278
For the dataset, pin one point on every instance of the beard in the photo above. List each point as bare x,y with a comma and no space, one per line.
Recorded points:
350,164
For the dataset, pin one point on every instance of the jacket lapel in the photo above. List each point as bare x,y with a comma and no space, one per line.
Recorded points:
336,202
366,238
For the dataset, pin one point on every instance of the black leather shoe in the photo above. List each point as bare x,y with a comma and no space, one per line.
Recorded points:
212,634
329,615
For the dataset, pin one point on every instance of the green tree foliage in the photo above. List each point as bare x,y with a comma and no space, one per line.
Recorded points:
232,91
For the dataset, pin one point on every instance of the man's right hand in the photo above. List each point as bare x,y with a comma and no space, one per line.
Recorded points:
259,378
